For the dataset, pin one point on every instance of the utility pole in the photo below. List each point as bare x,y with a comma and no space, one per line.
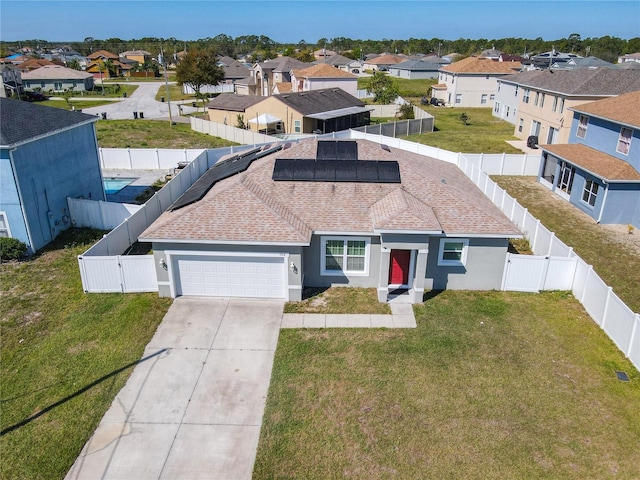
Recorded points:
166,84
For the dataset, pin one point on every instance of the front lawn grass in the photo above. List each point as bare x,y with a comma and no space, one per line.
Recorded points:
483,134
65,355
153,134
78,104
338,300
175,91
406,88
618,264
489,385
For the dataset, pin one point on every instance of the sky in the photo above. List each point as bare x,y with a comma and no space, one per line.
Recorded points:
309,20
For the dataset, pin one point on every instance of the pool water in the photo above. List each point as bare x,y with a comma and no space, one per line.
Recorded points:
114,185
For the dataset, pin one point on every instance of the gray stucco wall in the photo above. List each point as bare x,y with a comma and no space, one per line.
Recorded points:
483,270
295,256
312,264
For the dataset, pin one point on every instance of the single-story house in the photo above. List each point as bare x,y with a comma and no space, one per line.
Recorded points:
317,111
342,62
54,77
233,69
412,69
321,213
35,63
382,62
46,155
599,170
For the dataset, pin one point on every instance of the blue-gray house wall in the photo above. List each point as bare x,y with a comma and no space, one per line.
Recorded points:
37,178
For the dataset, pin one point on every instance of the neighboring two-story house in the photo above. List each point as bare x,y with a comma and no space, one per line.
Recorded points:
264,76
319,77
598,171
46,155
505,106
544,99
11,80
472,81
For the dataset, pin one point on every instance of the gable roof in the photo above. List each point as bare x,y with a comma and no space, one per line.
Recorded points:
33,64
482,65
334,60
318,101
433,196
102,54
283,64
322,71
55,72
417,65
233,102
623,109
583,82
386,59
25,121
595,162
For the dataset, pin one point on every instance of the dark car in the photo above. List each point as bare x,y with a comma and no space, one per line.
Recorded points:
35,96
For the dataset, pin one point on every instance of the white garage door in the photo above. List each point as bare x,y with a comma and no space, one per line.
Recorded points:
262,277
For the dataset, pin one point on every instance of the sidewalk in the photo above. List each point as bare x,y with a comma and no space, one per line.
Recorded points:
401,317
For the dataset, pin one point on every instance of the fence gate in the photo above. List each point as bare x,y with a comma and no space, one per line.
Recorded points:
524,273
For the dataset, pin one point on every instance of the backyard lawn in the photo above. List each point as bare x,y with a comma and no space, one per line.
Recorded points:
483,134
65,355
153,134
613,257
490,385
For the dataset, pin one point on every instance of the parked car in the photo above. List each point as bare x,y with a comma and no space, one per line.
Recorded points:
355,70
35,96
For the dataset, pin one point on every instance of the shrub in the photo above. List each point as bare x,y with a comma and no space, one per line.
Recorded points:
405,112
12,248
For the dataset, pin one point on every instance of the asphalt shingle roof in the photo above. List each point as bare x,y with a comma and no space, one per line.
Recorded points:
433,196
582,82
234,102
317,101
322,71
594,161
623,109
55,72
21,121
482,65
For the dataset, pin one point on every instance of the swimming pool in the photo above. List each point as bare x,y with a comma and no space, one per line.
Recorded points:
114,185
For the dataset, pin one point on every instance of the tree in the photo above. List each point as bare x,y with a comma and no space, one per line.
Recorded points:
384,89
305,56
405,112
199,68
74,64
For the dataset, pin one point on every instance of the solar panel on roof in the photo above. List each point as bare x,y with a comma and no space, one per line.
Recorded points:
218,172
363,171
337,150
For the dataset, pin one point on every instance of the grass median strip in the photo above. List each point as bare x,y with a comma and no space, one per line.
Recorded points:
490,385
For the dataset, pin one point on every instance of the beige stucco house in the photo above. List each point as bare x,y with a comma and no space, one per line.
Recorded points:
319,77
471,82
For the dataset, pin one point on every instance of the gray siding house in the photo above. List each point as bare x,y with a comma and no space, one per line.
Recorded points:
322,213
57,78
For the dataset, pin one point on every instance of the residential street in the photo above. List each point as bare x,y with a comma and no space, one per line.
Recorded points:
141,101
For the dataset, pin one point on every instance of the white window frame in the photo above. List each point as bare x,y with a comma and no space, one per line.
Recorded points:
520,125
582,126
536,127
554,107
453,263
496,107
492,97
458,98
535,102
525,95
562,105
341,273
623,141
297,124
507,111
483,99
590,192
6,223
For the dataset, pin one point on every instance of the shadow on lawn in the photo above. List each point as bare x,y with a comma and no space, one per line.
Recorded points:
33,417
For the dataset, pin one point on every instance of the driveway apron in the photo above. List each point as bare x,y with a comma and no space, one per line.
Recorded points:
193,406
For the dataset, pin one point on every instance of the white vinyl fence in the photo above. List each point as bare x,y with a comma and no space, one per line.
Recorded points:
146,158
223,88
238,135
99,214
556,266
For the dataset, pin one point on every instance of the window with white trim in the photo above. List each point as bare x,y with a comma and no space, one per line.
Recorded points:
4,225
582,126
554,107
507,112
525,95
624,141
344,255
296,126
453,252
561,105
535,102
496,107
492,97
590,192
520,125
542,101
458,98
483,99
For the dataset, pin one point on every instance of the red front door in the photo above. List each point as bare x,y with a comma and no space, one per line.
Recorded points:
399,267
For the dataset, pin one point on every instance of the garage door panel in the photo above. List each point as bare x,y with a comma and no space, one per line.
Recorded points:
228,276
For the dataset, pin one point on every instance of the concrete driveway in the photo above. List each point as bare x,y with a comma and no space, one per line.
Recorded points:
193,406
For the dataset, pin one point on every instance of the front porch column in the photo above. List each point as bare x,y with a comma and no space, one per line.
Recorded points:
383,280
417,292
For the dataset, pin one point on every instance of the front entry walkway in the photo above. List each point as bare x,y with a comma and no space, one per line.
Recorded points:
192,408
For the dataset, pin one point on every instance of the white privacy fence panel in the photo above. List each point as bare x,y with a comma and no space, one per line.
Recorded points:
99,214
124,274
222,88
529,273
505,163
560,273
238,135
146,158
